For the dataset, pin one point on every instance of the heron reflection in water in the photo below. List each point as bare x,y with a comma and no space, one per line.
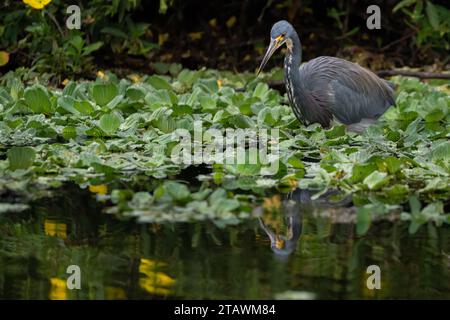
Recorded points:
292,208
284,245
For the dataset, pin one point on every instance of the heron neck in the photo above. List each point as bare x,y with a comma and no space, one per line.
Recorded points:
294,52
292,62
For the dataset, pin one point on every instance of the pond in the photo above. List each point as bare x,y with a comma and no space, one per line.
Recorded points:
303,251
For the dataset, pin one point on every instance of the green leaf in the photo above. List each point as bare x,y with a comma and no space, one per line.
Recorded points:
435,115
208,85
432,15
158,82
102,168
375,180
247,169
17,89
165,124
433,209
207,103
261,91
69,132
135,93
441,151
161,67
181,109
84,107
414,205
393,164
109,123
363,220
36,98
103,93
296,162
13,207
226,205
336,131
177,191
163,5
414,226
70,88
158,98
402,4
141,201
21,157
361,171
67,103
91,48
265,117
116,32
115,102
241,121
397,191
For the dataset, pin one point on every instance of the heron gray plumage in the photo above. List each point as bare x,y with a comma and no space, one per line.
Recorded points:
327,88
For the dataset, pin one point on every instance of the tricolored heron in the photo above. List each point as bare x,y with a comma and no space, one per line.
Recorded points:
327,87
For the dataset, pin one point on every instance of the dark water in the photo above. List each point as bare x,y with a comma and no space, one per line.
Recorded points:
309,255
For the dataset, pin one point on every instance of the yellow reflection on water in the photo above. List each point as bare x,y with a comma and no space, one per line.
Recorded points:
58,289
54,229
153,281
114,293
272,204
374,293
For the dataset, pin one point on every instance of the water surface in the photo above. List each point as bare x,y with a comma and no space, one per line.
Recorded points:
297,252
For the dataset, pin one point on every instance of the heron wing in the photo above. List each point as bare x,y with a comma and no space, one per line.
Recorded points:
357,92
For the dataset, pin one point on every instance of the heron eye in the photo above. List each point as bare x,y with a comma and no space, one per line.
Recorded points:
280,38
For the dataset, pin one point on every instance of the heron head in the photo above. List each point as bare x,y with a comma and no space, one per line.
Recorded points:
280,33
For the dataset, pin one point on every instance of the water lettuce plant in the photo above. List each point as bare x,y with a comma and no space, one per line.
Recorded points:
115,137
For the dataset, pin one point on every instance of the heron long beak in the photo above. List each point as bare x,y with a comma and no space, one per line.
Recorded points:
273,46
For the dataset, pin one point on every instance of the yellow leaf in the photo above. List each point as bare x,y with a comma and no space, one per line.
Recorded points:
231,22
88,20
4,58
162,38
135,78
195,35
186,54
65,82
166,57
444,88
37,4
213,22
260,50
100,74
100,189
219,83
